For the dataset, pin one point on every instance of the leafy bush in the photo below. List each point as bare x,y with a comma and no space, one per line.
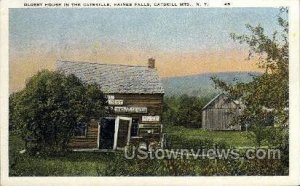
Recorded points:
51,106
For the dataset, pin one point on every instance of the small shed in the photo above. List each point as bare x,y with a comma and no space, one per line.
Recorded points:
134,93
220,112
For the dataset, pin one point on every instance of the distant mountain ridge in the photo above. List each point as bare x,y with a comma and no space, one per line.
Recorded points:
201,84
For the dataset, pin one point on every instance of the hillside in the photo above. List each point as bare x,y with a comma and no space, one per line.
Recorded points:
201,84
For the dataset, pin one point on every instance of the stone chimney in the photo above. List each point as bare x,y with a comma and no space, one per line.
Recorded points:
151,63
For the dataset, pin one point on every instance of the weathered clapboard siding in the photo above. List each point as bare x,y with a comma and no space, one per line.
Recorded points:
130,88
154,104
88,141
220,113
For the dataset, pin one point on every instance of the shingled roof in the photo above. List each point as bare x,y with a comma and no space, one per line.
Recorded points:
115,78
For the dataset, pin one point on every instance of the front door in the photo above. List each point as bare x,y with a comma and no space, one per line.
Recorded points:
122,132
107,131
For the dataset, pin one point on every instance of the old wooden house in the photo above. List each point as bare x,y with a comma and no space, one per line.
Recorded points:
220,112
134,93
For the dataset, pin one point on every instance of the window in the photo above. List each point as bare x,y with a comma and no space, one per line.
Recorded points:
134,127
80,129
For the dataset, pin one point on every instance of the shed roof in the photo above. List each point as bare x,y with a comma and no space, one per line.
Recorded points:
115,78
211,102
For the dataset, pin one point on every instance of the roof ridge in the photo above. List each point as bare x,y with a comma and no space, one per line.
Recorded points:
212,100
217,96
115,78
113,64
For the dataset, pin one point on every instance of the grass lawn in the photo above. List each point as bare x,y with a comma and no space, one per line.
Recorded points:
232,138
71,164
93,164
114,164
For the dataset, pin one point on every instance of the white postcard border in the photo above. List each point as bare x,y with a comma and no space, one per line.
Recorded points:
292,179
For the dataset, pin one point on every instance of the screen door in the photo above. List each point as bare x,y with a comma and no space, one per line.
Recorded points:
122,132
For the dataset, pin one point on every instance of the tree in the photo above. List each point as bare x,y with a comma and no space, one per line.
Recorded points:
267,94
189,112
51,106
184,110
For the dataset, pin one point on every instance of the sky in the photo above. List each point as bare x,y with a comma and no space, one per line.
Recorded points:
183,41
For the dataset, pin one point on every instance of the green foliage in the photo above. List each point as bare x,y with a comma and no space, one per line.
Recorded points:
255,167
175,142
114,164
50,107
68,164
183,110
13,118
267,95
149,167
181,137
